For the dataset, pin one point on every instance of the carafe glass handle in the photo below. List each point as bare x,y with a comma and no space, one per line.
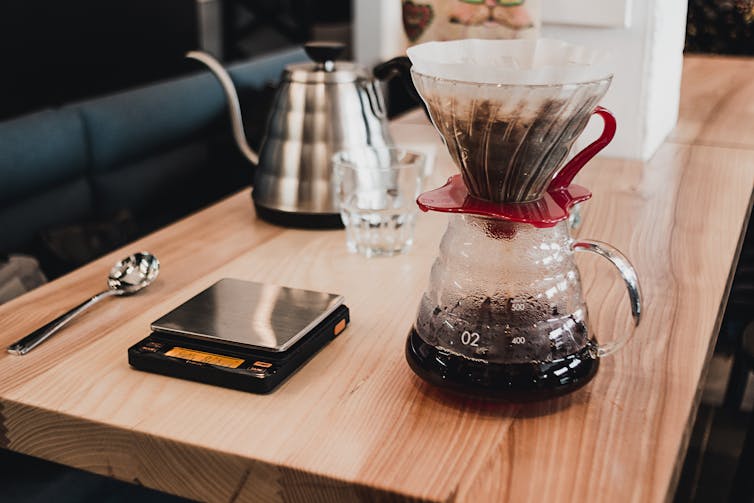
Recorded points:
628,274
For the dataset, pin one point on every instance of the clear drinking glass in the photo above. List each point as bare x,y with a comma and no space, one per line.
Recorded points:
377,191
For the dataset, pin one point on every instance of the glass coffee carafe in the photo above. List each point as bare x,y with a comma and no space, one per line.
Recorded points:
504,316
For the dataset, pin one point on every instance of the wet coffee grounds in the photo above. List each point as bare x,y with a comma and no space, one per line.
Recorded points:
510,159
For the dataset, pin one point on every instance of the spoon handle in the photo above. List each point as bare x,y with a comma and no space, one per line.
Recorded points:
37,337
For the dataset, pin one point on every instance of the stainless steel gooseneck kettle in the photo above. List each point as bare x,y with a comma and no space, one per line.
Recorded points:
321,107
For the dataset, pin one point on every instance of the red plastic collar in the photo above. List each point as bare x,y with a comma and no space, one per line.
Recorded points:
453,197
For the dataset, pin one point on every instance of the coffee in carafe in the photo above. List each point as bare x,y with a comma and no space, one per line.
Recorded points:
503,315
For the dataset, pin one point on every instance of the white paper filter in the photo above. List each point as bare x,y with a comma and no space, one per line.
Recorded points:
516,62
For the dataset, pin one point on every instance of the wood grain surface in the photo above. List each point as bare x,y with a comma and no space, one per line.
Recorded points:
717,102
355,423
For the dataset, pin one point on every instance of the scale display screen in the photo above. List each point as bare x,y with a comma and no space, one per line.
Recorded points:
201,356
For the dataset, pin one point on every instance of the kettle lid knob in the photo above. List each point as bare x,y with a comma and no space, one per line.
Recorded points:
324,53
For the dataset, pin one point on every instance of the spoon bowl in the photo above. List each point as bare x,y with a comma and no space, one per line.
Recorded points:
127,277
133,273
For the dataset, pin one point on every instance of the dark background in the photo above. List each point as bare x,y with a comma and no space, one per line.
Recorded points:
720,27
56,52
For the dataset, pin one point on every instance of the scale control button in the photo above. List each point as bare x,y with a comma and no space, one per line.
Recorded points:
339,327
151,346
261,369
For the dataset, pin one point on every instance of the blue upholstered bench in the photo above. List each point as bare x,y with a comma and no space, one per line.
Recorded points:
157,152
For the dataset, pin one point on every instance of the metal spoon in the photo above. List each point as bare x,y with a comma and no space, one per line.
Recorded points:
126,277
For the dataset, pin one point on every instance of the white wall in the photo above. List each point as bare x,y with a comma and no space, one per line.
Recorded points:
647,74
378,31
648,59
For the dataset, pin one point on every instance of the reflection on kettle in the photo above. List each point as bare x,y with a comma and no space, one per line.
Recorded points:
321,107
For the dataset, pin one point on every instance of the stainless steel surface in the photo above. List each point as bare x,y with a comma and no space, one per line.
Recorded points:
295,168
126,277
209,16
319,109
250,314
330,72
628,274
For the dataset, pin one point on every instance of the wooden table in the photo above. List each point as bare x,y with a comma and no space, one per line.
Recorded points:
355,422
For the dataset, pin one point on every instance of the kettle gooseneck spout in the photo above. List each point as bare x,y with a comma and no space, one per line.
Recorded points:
233,104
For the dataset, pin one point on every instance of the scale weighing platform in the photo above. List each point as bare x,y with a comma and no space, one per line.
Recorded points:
242,335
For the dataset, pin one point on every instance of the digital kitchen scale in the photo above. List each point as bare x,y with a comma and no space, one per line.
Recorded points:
242,335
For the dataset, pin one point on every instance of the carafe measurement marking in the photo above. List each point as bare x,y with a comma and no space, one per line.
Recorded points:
470,338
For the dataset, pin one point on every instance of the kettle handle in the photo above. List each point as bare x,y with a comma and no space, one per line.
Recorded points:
628,273
401,67
233,104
